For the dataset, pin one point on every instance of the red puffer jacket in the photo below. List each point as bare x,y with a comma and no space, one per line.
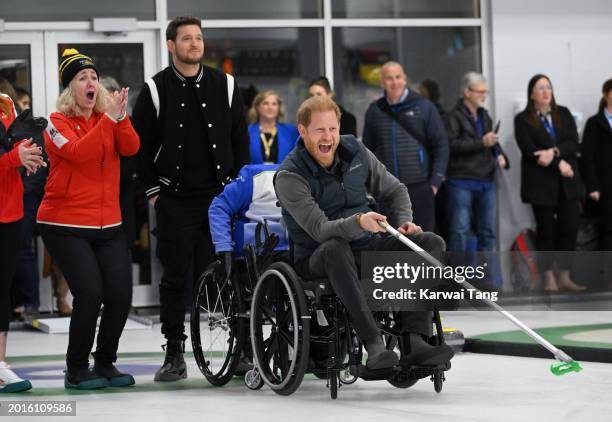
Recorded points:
11,186
83,186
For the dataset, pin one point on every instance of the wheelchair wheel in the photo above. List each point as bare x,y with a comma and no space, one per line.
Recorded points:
438,380
252,379
333,385
218,332
280,329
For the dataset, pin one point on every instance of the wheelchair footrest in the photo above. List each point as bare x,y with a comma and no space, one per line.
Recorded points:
366,374
418,372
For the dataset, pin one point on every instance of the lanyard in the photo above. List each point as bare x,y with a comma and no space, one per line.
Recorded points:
267,143
549,127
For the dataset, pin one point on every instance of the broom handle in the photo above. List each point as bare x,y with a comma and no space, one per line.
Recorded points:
559,354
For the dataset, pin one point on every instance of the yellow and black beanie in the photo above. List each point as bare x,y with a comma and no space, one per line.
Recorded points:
71,63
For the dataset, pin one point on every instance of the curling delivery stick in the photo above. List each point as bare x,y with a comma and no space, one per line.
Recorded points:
566,363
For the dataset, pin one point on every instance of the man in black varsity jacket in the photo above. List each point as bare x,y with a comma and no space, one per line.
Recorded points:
194,138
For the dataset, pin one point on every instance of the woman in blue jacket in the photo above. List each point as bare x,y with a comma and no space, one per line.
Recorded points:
271,140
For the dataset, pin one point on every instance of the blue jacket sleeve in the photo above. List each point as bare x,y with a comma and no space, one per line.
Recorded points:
228,205
438,143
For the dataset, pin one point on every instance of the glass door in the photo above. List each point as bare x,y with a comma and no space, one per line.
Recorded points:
22,66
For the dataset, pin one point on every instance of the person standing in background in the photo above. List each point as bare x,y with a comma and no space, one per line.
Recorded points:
547,137
191,121
597,166
474,155
406,133
11,213
23,99
321,86
80,220
271,139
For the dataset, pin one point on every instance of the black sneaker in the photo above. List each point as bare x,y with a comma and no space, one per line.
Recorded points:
416,351
84,379
174,367
112,375
378,355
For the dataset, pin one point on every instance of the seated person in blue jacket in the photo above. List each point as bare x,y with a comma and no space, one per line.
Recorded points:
271,140
234,214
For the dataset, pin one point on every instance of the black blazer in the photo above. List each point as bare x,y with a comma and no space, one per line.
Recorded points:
541,185
597,159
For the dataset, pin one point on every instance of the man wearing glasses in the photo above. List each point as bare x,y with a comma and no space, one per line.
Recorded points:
474,155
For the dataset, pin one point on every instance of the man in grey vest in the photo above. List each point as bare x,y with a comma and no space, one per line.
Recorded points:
322,186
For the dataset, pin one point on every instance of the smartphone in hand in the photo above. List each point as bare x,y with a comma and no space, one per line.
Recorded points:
496,130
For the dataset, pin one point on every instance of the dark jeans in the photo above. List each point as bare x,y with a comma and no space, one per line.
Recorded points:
557,228
461,203
335,260
423,205
25,285
96,266
9,246
183,242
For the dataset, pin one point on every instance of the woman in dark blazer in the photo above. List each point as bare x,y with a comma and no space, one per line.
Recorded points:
597,163
271,140
547,137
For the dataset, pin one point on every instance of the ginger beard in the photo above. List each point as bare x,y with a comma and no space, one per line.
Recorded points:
321,137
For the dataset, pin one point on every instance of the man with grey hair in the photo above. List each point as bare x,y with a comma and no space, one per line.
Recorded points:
405,132
474,155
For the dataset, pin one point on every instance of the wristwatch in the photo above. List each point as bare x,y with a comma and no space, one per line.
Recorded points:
556,151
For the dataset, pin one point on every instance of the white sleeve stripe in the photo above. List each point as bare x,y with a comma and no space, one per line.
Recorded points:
58,139
230,89
154,94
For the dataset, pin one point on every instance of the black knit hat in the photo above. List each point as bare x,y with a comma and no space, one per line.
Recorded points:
73,62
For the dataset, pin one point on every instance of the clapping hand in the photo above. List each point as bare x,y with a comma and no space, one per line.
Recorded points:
117,103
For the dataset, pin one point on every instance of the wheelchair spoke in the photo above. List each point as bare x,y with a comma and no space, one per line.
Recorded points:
286,336
266,313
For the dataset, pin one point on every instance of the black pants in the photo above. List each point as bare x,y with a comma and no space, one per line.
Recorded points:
96,266
26,283
183,239
423,205
335,260
557,228
10,237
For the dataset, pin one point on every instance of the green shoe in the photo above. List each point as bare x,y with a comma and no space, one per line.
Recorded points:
84,379
112,375
10,381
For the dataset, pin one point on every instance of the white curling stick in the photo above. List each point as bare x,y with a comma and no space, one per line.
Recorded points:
560,355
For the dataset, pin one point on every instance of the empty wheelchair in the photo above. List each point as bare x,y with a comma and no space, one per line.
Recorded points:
299,327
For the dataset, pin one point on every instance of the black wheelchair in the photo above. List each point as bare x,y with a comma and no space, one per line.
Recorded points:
300,326
288,327
220,314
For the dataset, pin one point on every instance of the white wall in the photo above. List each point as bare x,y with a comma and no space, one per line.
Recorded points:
571,42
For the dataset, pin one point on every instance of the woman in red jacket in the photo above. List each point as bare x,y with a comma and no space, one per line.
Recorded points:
11,213
80,220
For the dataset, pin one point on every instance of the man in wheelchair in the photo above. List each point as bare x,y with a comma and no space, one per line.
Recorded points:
238,213
323,187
